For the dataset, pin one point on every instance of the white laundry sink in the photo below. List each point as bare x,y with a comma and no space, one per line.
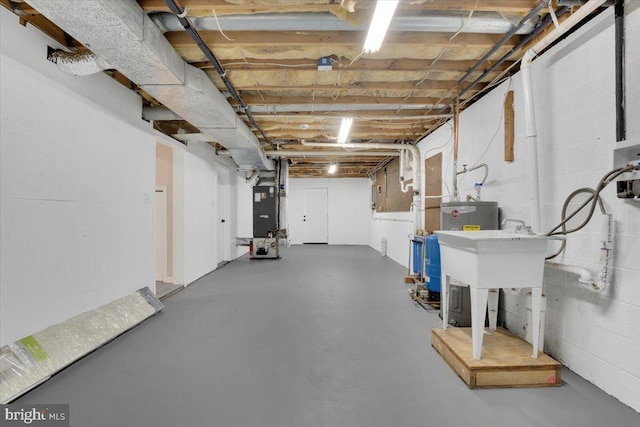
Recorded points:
492,259
501,258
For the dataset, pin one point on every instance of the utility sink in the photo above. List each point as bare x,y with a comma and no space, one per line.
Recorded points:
499,257
488,260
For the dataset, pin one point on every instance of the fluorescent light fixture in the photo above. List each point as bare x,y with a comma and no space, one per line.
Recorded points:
332,168
379,25
344,129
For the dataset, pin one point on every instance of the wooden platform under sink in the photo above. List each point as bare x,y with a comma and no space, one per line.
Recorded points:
506,360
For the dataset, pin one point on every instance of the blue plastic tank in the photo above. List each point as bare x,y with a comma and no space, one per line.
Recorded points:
432,263
417,248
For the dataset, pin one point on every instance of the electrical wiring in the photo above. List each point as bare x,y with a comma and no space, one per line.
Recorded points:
493,138
563,215
272,64
591,201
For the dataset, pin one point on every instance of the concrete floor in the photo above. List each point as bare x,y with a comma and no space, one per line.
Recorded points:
326,336
165,290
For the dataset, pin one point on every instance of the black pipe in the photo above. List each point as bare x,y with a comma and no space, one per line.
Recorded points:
544,24
621,127
534,12
186,23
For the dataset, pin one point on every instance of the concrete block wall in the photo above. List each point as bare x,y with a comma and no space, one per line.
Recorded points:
594,334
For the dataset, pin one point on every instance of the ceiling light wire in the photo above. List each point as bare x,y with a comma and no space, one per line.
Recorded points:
464,24
218,24
250,73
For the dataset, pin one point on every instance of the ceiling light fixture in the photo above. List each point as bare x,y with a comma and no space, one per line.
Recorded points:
332,168
379,25
344,129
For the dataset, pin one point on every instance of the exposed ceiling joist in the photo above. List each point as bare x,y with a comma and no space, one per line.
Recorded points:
222,7
181,39
400,93
426,85
353,100
362,64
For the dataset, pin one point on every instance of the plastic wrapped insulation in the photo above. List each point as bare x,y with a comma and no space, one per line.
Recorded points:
32,360
78,64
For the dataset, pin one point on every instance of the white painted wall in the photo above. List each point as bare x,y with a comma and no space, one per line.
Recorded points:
77,187
348,208
200,211
595,335
396,227
201,170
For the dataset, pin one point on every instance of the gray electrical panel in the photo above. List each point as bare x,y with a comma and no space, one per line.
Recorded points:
466,216
264,211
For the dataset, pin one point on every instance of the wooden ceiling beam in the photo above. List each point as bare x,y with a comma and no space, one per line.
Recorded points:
305,116
342,100
222,7
427,85
362,64
181,39
335,125
373,133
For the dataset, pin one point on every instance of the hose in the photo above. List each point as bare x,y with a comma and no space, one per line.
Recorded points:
594,199
564,214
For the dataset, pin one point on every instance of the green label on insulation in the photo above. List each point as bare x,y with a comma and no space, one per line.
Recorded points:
34,348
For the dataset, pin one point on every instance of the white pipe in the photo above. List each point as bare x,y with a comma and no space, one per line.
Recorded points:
585,277
404,188
531,132
415,168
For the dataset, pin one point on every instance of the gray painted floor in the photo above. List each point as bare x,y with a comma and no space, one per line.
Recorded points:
326,336
164,290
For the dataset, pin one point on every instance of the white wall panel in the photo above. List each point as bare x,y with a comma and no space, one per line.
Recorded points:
76,192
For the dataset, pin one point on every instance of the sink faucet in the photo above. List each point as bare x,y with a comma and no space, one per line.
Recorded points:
521,224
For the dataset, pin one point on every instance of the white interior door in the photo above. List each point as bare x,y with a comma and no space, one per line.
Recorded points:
315,215
161,234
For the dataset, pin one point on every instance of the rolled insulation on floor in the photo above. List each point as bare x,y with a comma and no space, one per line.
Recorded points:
32,360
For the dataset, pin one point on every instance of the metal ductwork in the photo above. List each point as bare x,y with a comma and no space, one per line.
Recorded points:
121,33
78,63
434,21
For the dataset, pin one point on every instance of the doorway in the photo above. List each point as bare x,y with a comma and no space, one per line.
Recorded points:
168,205
315,215
161,234
223,231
